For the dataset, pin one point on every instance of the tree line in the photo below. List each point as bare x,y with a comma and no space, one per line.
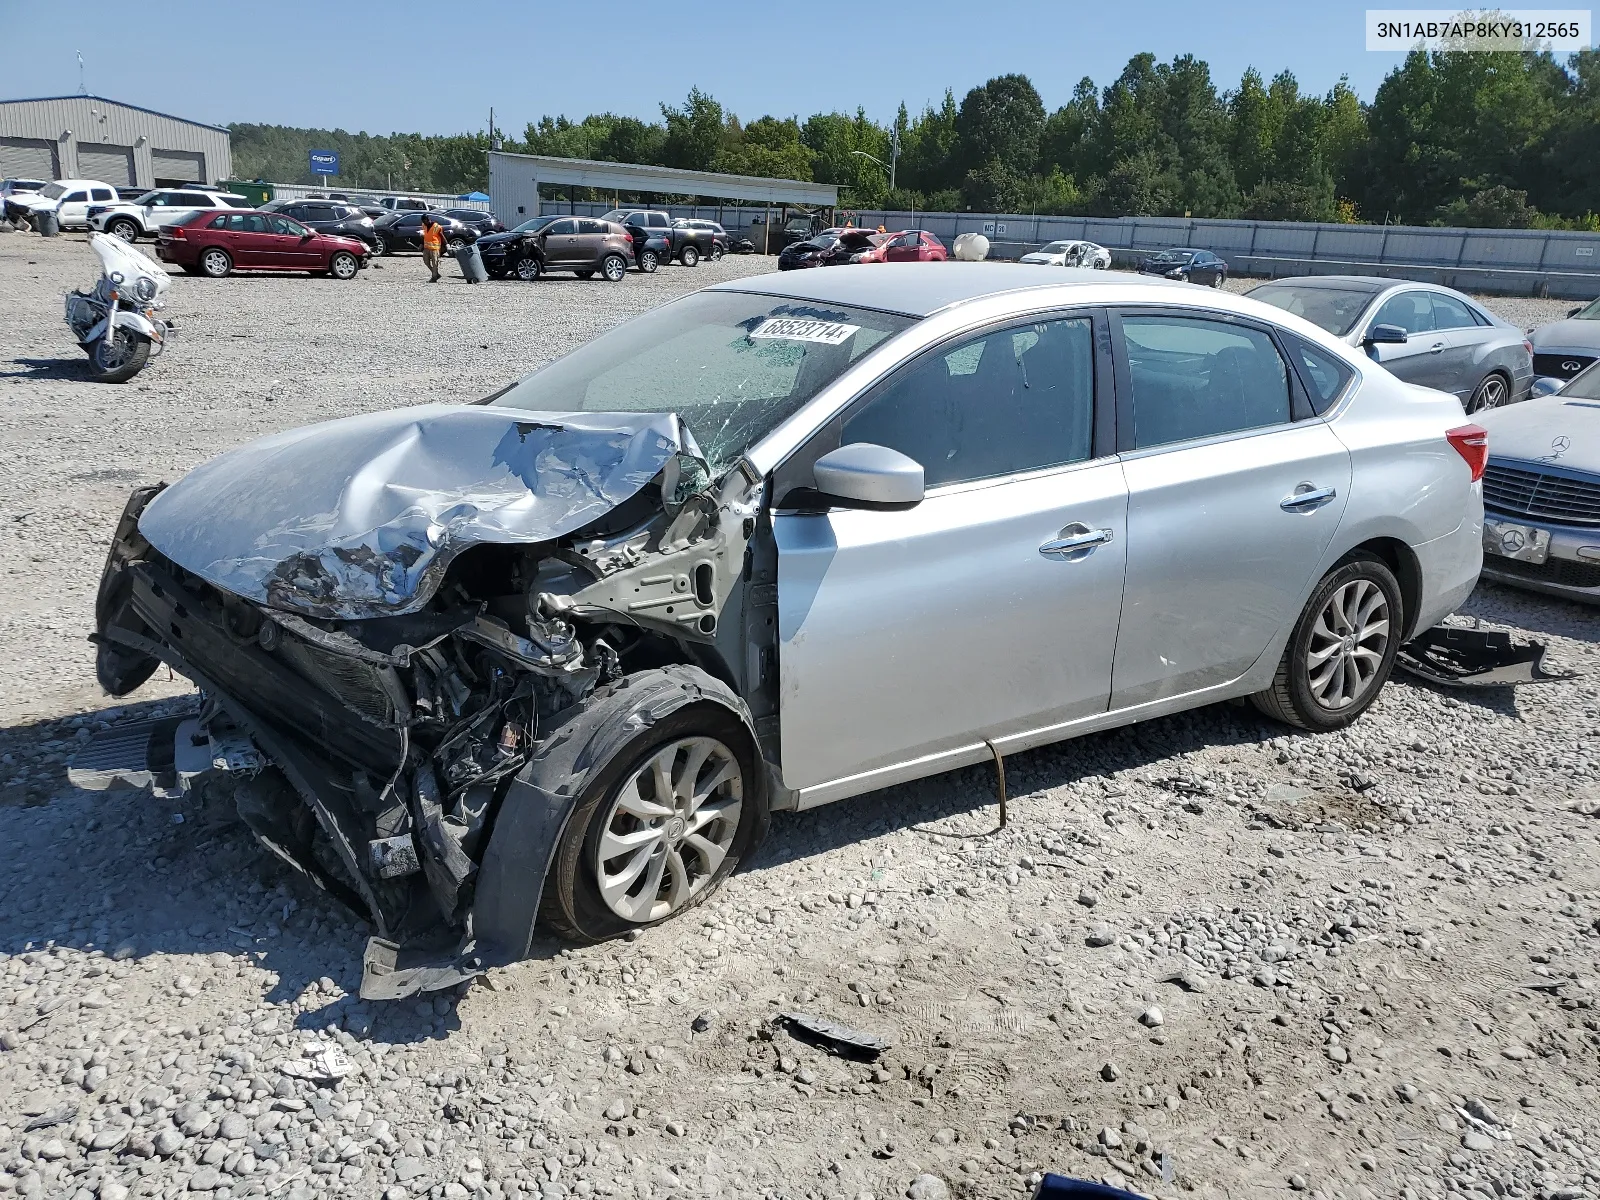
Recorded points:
1451,138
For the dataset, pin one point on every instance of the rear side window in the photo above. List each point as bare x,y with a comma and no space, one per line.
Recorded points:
1412,311
1195,378
1322,373
193,199
588,226
1018,399
658,220
101,194
218,222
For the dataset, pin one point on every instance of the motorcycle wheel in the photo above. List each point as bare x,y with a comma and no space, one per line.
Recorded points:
118,357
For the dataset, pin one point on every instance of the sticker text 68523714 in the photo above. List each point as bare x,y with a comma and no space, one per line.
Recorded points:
795,329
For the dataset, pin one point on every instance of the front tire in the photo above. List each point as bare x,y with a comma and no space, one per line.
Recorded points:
455,245
1492,392
118,357
614,267
527,269
659,826
343,265
1342,649
124,229
216,264
689,256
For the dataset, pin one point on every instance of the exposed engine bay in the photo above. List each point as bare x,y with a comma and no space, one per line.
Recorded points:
376,674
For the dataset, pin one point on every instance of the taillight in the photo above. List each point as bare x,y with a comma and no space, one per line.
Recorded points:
1527,345
1472,443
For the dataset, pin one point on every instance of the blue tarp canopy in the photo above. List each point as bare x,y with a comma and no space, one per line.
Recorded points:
474,196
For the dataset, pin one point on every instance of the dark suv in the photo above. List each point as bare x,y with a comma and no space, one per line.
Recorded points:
582,245
328,216
403,231
476,218
656,232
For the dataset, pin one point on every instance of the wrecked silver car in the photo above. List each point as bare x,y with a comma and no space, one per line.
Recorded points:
552,659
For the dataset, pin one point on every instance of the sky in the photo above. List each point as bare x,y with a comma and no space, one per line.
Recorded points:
399,66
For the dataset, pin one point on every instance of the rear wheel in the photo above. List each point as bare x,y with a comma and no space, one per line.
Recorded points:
1216,280
216,263
614,267
527,269
1342,649
717,252
343,265
1491,393
649,261
689,256
454,245
125,229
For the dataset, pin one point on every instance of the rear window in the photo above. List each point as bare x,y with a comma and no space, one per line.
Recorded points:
1335,309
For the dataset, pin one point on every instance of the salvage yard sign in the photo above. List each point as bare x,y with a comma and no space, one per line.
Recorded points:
324,162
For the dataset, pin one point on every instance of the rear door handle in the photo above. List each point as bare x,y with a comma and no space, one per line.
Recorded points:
1076,541
1307,498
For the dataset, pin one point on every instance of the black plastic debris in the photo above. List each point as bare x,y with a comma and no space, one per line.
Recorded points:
1460,658
1060,1187
832,1036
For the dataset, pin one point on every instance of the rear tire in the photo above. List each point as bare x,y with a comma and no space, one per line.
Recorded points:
216,263
649,261
689,256
1493,391
717,252
1342,650
614,267
1217,279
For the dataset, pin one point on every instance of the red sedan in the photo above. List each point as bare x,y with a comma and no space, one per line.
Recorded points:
910,245
219,243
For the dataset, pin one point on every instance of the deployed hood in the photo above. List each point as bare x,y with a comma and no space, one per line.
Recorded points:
1567,335
1560,431
360,517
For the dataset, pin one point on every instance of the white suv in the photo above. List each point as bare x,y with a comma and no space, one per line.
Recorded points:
143,217
68,198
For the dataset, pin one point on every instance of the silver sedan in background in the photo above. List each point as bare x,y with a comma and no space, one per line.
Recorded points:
1420,332
1069,254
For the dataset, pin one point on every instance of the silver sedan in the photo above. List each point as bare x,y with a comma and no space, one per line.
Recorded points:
555,657
1420,332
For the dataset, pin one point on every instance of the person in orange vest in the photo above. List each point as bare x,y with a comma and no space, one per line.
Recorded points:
432,245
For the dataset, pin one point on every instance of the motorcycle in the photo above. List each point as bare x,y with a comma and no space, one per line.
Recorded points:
116,323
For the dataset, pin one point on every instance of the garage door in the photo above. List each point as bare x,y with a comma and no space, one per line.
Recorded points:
175,167
28,158
109,164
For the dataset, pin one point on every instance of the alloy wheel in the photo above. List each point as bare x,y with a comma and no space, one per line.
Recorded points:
215,264
344,266
527,268
669,829
1348,644
615,268
1491,393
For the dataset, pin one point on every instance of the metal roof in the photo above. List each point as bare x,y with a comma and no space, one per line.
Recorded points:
636,177
120,103
920,289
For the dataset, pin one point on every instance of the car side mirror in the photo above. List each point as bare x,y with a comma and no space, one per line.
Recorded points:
1384,335
865,475
307,236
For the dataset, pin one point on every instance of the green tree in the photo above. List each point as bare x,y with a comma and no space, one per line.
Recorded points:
928,149
695,133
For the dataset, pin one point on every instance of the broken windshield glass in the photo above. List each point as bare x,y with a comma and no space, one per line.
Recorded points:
732,365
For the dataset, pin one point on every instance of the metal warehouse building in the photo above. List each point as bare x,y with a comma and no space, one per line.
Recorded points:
90,137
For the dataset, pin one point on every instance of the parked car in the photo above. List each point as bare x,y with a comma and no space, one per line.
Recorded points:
909,245
17,187
403,231
719,235
1189,265
800,229
69,199
477,219
572,645
220,243
330,216
1541,492
138,218
404,204
687,245
1561,349
1420,332
582,245
1070,254
831,249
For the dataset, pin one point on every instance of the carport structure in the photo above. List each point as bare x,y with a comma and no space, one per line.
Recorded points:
514,181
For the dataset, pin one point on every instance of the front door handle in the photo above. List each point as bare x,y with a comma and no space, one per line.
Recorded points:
1436,348
1076,541
1307,498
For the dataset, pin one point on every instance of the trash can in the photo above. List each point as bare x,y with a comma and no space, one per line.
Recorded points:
471,263
46,223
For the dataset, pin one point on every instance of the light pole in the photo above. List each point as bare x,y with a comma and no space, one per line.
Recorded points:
894,156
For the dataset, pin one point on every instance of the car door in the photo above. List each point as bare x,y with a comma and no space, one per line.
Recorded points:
903,247
561,243
1231,501
1420,358
591,241
1458,362
73,208
294,245
988,610
246,239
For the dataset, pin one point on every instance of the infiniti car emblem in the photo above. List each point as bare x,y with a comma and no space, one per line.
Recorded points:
1571,365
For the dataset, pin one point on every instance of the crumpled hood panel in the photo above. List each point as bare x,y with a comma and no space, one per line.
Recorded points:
359,517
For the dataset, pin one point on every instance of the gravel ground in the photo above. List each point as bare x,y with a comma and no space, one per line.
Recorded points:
1205,957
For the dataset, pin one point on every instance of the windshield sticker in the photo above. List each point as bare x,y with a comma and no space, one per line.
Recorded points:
790,329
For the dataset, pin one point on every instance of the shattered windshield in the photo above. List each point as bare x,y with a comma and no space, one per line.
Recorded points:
733,365
1335,309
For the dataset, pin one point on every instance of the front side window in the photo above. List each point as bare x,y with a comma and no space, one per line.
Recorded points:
1017,399
1412,311
76,198
1450,313
733,365
283,225
1196,378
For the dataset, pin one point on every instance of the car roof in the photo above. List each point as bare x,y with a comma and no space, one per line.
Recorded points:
921,289
1347,283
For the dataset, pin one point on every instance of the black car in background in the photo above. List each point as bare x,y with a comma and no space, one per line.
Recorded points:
1187,264
329,216
403,231
719,235
476,218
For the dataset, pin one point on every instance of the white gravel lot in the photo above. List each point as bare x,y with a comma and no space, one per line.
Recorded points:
1206,958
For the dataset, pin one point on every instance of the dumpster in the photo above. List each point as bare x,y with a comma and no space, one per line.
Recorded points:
471,263
257,193
46,222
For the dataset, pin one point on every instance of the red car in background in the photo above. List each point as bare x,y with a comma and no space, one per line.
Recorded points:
909,245
219,243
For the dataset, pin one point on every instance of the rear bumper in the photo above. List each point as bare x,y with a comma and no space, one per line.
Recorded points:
1449,569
